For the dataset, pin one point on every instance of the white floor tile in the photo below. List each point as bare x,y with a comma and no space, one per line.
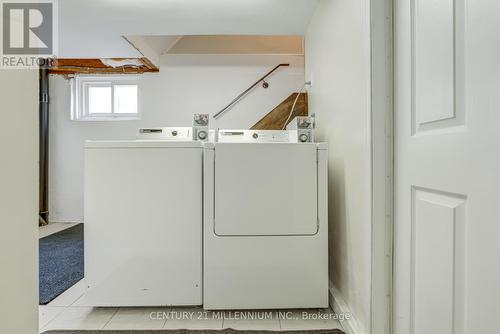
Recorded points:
52,228
251,320
81,318
47,314
69,296
137,318
81,302
192,318
308,320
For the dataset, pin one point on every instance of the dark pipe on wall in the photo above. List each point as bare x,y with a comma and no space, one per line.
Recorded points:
44,147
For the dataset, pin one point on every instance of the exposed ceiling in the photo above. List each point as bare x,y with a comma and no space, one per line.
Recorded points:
94,28
152,47
69,66
161,44
237,44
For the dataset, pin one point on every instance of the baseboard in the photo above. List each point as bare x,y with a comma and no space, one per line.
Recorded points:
339,306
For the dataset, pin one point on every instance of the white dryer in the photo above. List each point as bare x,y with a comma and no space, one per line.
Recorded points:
265,221
143,220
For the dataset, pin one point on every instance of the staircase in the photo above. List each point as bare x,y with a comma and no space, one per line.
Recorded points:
275,120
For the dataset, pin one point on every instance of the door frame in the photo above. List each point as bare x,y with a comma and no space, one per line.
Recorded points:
382,157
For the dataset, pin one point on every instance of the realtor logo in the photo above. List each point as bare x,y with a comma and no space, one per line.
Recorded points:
28,29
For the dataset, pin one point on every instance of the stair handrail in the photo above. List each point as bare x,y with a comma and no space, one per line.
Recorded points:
240,96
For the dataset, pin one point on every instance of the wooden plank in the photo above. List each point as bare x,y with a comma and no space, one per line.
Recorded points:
149,64
71,66
275,119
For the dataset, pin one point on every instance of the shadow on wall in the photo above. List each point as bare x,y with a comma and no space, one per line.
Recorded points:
337,217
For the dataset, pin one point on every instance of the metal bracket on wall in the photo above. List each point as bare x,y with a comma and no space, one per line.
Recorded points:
44,97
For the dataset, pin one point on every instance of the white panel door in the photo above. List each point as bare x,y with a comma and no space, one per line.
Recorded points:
447,167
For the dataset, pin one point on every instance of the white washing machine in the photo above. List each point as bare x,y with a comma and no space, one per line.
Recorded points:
265,221
143,220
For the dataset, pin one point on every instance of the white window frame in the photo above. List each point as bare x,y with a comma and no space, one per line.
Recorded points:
79,97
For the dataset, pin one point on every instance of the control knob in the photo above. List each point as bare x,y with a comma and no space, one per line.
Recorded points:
202,135
303,138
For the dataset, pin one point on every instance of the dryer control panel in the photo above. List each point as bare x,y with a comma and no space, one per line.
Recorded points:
255,136
303,129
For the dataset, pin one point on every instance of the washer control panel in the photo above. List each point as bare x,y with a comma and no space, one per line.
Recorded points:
166,133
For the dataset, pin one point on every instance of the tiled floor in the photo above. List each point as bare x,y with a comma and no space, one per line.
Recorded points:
65,312
68,312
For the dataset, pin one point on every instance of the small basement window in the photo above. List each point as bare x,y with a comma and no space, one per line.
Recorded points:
101,98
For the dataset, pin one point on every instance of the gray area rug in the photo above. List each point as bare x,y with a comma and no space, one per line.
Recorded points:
188,331
60,262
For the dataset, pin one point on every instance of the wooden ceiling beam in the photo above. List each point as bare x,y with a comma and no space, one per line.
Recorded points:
149,64
72,66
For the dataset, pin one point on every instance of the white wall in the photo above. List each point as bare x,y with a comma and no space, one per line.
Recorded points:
19,202
184,86
338,62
